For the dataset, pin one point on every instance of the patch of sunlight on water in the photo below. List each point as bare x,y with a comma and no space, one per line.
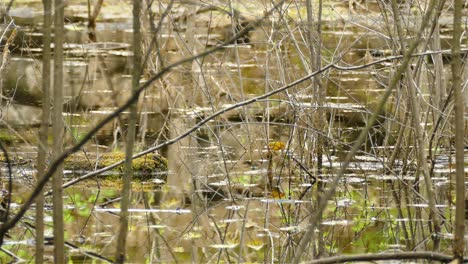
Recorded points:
424,205
342,106
284,201
387,177
224,246
231,220
27,242
235,207
346,202
337,223
220,183
294,229
136,210
192,235
157,226
268,234
103,234
410,220
353,178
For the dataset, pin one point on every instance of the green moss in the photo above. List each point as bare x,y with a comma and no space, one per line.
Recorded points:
14,159
145,168
7,138
11,136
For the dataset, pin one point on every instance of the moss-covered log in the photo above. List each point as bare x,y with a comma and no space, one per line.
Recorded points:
145,168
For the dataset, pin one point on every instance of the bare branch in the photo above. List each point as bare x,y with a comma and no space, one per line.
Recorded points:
244,103
386,256
56,164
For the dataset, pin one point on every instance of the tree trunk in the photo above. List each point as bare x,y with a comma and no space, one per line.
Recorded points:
44,129
419,138
125,202
315,43
92,19
459,230
58,132
305,240
421,154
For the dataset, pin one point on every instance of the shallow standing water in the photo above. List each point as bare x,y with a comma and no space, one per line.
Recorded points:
216,205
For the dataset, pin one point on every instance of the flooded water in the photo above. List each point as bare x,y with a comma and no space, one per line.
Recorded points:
363,217
243,187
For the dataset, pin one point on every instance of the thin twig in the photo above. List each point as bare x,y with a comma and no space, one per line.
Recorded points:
238,105
10,186
386,256
7,10
11,254
59,160
362,136
88,253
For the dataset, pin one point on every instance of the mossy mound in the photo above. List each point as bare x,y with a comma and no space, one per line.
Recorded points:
145,168
14,159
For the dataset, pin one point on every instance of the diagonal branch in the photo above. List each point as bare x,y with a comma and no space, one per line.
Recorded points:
241,104
56,163
431,256
362,136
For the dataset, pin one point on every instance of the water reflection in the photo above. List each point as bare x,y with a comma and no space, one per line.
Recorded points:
219,201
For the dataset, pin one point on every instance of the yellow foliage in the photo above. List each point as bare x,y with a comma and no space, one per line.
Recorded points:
276,145
276,193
